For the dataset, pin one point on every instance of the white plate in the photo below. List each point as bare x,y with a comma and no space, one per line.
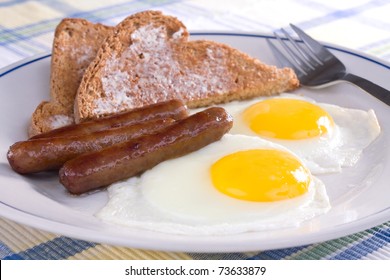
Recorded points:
359,195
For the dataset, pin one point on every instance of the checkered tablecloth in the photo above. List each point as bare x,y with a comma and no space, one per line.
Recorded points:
26,29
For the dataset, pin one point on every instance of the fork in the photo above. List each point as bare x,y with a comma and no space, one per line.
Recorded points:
317,66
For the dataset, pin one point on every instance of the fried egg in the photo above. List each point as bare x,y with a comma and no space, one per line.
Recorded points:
326,137
238,184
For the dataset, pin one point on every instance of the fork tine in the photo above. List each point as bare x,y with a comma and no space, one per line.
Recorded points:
312,44
299,62
284,60
310,58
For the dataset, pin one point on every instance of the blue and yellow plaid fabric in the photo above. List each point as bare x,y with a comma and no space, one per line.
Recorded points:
26,29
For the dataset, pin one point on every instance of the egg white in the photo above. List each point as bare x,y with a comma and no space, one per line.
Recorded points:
354,130
177,196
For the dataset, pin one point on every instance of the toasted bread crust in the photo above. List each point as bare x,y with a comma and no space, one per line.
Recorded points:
76,42
148,59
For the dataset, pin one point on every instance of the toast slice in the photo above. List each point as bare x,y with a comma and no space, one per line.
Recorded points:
148,58
75,45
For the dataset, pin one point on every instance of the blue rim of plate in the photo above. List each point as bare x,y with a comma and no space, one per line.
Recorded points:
19,64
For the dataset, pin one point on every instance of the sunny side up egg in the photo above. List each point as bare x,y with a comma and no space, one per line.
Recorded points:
326,137
235,185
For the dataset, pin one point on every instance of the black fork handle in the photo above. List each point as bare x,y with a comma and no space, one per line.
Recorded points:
373,89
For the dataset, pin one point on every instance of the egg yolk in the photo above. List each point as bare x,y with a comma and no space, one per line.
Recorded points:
262,175
289,119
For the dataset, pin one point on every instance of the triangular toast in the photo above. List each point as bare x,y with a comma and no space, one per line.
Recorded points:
148,58
75,45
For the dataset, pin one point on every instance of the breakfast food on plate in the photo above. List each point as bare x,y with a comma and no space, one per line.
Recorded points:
148,58
97,169
123,93
45,154
173,109
152,52
50,150
238,184
76,42
326,137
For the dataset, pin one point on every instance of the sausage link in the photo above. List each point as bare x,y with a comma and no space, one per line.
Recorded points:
51,153
98,169
173,109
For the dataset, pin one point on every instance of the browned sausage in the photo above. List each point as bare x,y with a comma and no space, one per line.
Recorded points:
98,169
51,153
173,109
